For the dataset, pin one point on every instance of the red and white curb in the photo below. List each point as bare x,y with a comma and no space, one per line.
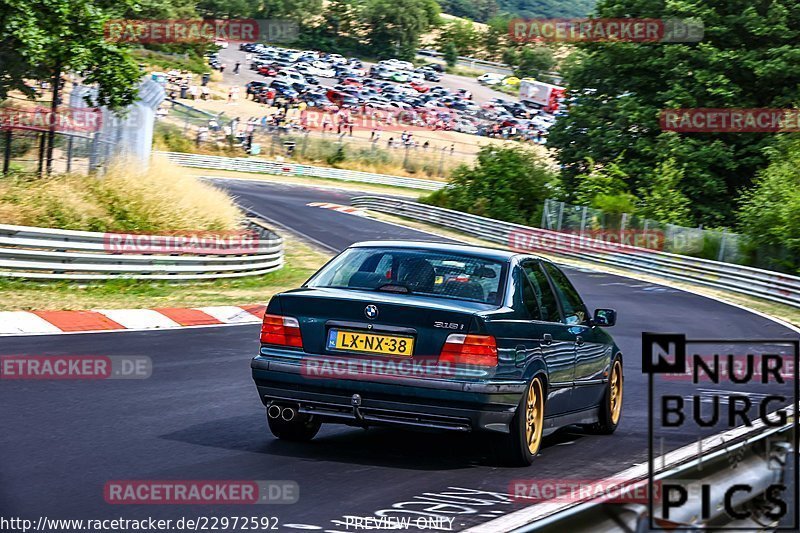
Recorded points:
97,320
338,207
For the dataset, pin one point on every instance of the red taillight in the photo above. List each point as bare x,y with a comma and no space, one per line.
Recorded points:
281,330
479,350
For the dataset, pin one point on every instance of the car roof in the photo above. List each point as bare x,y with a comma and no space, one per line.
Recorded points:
496,254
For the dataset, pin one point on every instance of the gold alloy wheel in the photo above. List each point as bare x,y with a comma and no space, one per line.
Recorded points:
615,399
534,416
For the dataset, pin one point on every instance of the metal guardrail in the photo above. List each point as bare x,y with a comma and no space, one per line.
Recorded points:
756,457
773,286
249,164
54,254
191,109
471,62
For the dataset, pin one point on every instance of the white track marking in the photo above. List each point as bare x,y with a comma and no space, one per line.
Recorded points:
22,322
139,318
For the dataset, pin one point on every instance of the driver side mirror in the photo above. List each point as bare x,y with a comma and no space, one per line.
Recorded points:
604,317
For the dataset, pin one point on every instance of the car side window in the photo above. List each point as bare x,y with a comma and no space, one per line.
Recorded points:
537,294
571,302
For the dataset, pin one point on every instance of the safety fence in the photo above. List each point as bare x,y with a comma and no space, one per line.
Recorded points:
54,254
249,164
774,286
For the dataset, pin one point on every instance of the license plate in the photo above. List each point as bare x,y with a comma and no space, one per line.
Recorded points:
355,341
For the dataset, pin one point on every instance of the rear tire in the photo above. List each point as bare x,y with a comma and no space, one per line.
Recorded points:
611,406
301,428
522,444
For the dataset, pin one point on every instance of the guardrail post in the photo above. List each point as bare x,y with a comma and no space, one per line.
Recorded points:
69,154
7,154
721,254
583,220
560,216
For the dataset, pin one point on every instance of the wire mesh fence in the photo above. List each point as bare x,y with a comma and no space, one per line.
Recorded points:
639,231
25,151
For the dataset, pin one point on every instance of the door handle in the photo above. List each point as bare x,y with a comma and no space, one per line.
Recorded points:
579,340
547,339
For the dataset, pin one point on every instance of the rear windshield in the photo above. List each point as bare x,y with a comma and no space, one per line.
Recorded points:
407,271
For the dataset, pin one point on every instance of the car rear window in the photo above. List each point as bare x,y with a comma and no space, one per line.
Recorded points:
409,271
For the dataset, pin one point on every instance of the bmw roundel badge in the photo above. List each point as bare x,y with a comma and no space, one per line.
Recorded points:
371,311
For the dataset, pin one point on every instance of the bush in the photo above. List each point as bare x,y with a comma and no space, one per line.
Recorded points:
506,184
189,61
170,138
337,157
161,198
769,213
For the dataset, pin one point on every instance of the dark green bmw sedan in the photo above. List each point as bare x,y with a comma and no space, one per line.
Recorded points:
430,335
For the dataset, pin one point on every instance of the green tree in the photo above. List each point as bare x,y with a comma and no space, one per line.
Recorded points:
226,8
531,61
395,26
450,52
461,35
662,199
478,10
52,37
769,213
162,9
505,183
343,17
746,59
606,187
496,39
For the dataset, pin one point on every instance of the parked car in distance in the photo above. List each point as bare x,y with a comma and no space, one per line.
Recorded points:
490,79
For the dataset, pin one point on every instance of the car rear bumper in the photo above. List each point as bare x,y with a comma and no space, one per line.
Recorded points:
458,405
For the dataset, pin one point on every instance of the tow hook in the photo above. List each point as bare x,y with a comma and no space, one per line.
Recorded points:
355,401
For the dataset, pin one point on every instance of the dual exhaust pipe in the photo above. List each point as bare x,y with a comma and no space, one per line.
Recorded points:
285,413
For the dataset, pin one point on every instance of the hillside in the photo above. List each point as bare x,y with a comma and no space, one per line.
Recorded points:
483,10
547,8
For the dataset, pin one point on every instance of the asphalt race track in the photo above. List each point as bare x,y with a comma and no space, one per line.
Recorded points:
198,416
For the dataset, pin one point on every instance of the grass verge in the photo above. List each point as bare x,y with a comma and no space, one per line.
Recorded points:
127,198
782,312
301,262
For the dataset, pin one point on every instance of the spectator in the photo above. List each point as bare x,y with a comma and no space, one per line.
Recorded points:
222,68
425,146
236,68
